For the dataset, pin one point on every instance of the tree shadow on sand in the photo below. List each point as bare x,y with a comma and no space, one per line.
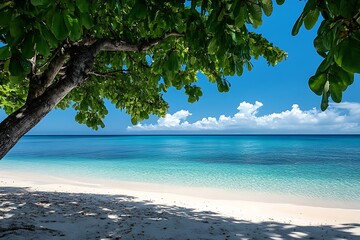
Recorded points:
28,214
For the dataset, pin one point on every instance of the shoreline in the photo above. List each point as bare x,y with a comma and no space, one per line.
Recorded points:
223,204
42,207
98,185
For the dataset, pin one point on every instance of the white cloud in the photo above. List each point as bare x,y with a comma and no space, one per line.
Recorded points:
174,119
339,118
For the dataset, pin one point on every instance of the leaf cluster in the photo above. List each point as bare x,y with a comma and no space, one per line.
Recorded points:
337,41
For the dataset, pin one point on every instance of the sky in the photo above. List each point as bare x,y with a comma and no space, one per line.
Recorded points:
266,100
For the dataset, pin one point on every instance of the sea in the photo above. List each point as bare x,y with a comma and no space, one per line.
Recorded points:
308,166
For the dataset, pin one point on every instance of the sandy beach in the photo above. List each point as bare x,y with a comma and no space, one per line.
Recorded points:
48,207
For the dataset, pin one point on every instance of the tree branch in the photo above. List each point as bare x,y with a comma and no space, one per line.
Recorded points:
108,74
39,83
119,45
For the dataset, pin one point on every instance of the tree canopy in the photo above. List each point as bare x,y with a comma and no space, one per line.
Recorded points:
76,53
167,44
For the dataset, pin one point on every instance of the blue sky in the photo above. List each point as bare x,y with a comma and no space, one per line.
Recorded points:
265,100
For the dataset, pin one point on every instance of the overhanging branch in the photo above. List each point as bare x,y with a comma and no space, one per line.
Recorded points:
39,83
119,45
108,74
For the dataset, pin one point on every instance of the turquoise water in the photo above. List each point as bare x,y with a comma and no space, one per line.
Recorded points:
325,167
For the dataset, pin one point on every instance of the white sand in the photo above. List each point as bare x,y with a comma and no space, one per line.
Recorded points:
43,207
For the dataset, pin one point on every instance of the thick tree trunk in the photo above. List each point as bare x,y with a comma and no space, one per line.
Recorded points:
21,121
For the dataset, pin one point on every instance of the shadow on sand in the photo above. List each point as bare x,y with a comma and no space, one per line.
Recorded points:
56,215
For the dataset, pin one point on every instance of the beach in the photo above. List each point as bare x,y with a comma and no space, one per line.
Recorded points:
34,206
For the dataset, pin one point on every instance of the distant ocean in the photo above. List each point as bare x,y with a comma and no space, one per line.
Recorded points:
311,166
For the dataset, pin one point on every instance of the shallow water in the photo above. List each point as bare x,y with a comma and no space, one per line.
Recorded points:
315,167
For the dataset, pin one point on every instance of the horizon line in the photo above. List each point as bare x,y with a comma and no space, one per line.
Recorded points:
203,134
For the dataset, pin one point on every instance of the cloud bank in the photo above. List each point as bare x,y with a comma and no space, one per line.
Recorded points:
339,118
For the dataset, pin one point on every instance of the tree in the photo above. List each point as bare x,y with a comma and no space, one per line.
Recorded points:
62,53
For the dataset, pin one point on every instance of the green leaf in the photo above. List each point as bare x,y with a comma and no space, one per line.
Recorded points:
76,31
231,67
27,47
213,46
241,16
328,39
317,82
319,45
347,55
73,26
134,120
6,65
5,52
341,78
234,37
310,5
15,66
221,15
40,2
297,25
49,16
4,18
83,5
311,18
249,66
239,69
70,5
255,12
49,36
325,64
17,79
26,65
335,91
139,10
58,27
17,27
280,2
79,118
86,20
223,85
173,62
267,7
348,8
346,78
42,46
192,60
